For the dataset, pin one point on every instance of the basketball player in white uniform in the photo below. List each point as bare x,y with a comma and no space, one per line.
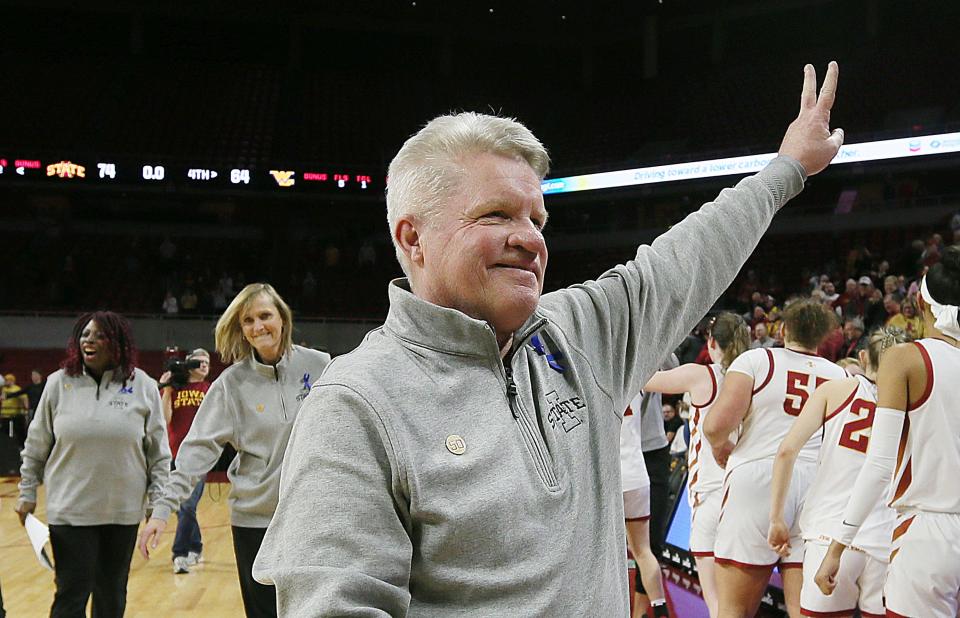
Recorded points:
845,410
636,506
916,437
763,393
728,336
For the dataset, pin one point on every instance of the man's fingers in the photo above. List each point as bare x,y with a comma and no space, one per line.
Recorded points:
808,96
836,138
828,92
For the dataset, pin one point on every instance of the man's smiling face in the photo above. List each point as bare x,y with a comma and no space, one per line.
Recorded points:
485,254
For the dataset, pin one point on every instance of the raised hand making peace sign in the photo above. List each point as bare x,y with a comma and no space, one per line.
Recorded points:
808,138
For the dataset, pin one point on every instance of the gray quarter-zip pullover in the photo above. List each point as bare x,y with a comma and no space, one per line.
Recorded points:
251,406
425,476
100,448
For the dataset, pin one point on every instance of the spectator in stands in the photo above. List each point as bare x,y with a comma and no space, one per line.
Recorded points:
830,295
850,293
13,409
693,343
252,406
857,303
188,300
469,330
225,285
891,285
761,337
932,250
908,319
218,299
180,403
33,391
99,445
775,326
832,347
852,336
868,305
170,306
672,423
167,251
891,304
331,256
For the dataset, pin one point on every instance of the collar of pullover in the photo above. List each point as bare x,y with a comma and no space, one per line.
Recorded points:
106,378
447,330
268,371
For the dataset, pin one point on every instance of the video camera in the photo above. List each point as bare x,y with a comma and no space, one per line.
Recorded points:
180,370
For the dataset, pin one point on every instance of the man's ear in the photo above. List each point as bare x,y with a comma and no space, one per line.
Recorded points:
407,237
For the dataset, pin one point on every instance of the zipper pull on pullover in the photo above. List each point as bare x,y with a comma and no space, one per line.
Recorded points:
283,404
511,389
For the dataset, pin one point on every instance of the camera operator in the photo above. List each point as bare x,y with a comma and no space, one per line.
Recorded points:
182,388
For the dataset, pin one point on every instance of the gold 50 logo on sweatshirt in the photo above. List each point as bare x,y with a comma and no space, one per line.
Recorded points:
563,413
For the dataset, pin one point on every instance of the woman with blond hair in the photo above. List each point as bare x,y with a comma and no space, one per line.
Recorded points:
728,336
251,406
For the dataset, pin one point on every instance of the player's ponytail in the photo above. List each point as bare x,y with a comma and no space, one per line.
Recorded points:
732,335
882,340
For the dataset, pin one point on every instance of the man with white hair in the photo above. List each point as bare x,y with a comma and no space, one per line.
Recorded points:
463,458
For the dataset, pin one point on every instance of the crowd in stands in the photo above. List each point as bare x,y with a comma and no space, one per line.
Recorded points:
868,274
865,291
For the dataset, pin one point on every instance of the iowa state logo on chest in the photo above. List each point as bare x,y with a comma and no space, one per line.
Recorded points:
564,413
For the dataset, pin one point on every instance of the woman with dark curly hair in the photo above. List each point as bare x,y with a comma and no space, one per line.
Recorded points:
99,444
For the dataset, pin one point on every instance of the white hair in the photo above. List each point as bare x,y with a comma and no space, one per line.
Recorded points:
428,165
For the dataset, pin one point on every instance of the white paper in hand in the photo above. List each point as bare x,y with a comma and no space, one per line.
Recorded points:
39,535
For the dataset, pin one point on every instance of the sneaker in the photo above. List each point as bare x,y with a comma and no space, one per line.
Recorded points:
180,565
194,557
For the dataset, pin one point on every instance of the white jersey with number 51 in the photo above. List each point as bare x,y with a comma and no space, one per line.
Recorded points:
783,380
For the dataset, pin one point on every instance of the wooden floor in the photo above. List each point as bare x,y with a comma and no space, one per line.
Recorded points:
210,589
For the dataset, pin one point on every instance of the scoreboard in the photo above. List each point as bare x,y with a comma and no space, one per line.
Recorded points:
158,173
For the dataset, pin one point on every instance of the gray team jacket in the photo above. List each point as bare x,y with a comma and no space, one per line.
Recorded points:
426,476
101,449
251,406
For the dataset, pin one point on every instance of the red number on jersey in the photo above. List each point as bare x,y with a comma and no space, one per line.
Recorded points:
798,384
849,437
